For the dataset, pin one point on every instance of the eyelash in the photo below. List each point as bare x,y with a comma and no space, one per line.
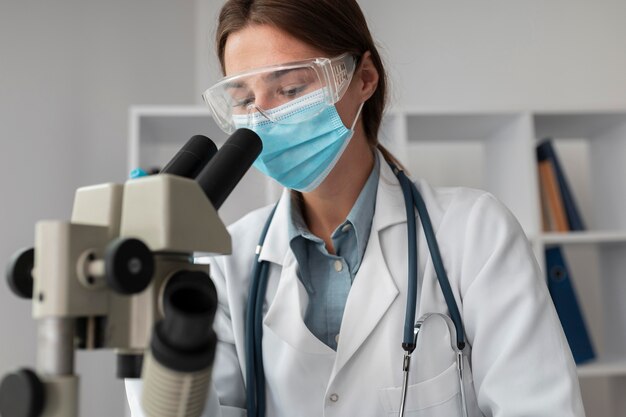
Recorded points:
289,92
294,90
244,102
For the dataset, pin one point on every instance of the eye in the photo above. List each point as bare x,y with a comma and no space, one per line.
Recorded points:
243,102
292,91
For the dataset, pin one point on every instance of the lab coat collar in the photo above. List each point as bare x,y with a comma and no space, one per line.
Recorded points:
276,244
389,210
390,206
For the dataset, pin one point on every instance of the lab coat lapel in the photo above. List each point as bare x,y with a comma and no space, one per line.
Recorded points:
285,314
373,289
372,292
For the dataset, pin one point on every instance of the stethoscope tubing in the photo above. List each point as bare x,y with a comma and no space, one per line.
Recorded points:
408,341
255,373
258,339
251,368
442,276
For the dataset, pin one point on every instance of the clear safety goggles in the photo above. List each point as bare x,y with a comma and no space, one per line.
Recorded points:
255,92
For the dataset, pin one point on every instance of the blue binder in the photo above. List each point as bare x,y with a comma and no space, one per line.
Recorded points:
566,303
545,150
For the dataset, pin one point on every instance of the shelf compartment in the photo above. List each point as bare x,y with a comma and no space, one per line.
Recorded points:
602,136
493,152
576,125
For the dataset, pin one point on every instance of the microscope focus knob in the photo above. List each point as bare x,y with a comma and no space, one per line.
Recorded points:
129,266
20,273
22,394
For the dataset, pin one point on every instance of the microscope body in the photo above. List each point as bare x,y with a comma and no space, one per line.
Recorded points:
99,280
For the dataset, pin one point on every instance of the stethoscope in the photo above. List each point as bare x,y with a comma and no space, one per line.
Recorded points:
255,374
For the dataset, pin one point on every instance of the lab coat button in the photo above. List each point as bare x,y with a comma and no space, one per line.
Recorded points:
346,227
338,265
334,397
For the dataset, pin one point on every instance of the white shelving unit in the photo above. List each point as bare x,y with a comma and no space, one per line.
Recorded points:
494,151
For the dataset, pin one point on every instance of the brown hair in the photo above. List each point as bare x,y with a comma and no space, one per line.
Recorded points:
344,30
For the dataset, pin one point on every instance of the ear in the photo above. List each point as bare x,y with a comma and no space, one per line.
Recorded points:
366,76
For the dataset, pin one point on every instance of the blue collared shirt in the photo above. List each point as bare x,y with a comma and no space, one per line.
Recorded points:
327,277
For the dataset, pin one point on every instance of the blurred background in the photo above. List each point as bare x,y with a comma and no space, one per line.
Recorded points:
71,69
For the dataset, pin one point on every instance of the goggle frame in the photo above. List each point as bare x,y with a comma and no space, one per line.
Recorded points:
334,74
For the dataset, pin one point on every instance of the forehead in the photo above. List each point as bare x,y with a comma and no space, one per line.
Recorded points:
261,45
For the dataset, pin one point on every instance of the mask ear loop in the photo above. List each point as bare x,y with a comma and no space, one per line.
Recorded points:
356,118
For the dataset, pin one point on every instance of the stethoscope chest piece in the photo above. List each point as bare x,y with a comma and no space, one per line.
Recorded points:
434,332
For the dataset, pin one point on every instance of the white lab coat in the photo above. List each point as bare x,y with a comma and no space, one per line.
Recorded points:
520,360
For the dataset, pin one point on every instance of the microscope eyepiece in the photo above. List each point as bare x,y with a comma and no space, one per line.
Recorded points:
222,174
184,340
182,348
191,158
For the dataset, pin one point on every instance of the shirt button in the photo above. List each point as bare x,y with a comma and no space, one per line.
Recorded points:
334,397
337,338
338,265
346,227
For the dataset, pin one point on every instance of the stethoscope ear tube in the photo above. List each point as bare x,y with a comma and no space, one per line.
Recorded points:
409,340
442,276
413,199
258,339
251,370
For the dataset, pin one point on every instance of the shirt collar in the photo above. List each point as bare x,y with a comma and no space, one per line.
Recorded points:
359,218
362,213
389,211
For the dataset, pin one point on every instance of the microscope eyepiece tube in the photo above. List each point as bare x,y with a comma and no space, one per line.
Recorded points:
191,158
220,176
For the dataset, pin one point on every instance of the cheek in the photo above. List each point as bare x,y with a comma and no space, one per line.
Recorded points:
347,108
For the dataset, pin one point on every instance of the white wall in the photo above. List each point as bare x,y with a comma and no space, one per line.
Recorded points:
69,70
489,54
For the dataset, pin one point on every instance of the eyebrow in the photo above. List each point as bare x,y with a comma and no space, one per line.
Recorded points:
280,73
234,85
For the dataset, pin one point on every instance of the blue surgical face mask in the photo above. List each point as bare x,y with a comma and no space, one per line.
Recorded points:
303,143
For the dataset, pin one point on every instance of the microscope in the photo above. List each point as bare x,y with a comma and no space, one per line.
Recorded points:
121,275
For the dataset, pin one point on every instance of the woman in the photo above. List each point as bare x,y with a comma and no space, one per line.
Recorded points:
337,245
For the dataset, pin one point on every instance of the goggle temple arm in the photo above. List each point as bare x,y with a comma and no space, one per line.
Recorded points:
341,70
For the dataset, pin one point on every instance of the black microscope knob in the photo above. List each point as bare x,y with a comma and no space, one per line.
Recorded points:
22,394
19,273
129,266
